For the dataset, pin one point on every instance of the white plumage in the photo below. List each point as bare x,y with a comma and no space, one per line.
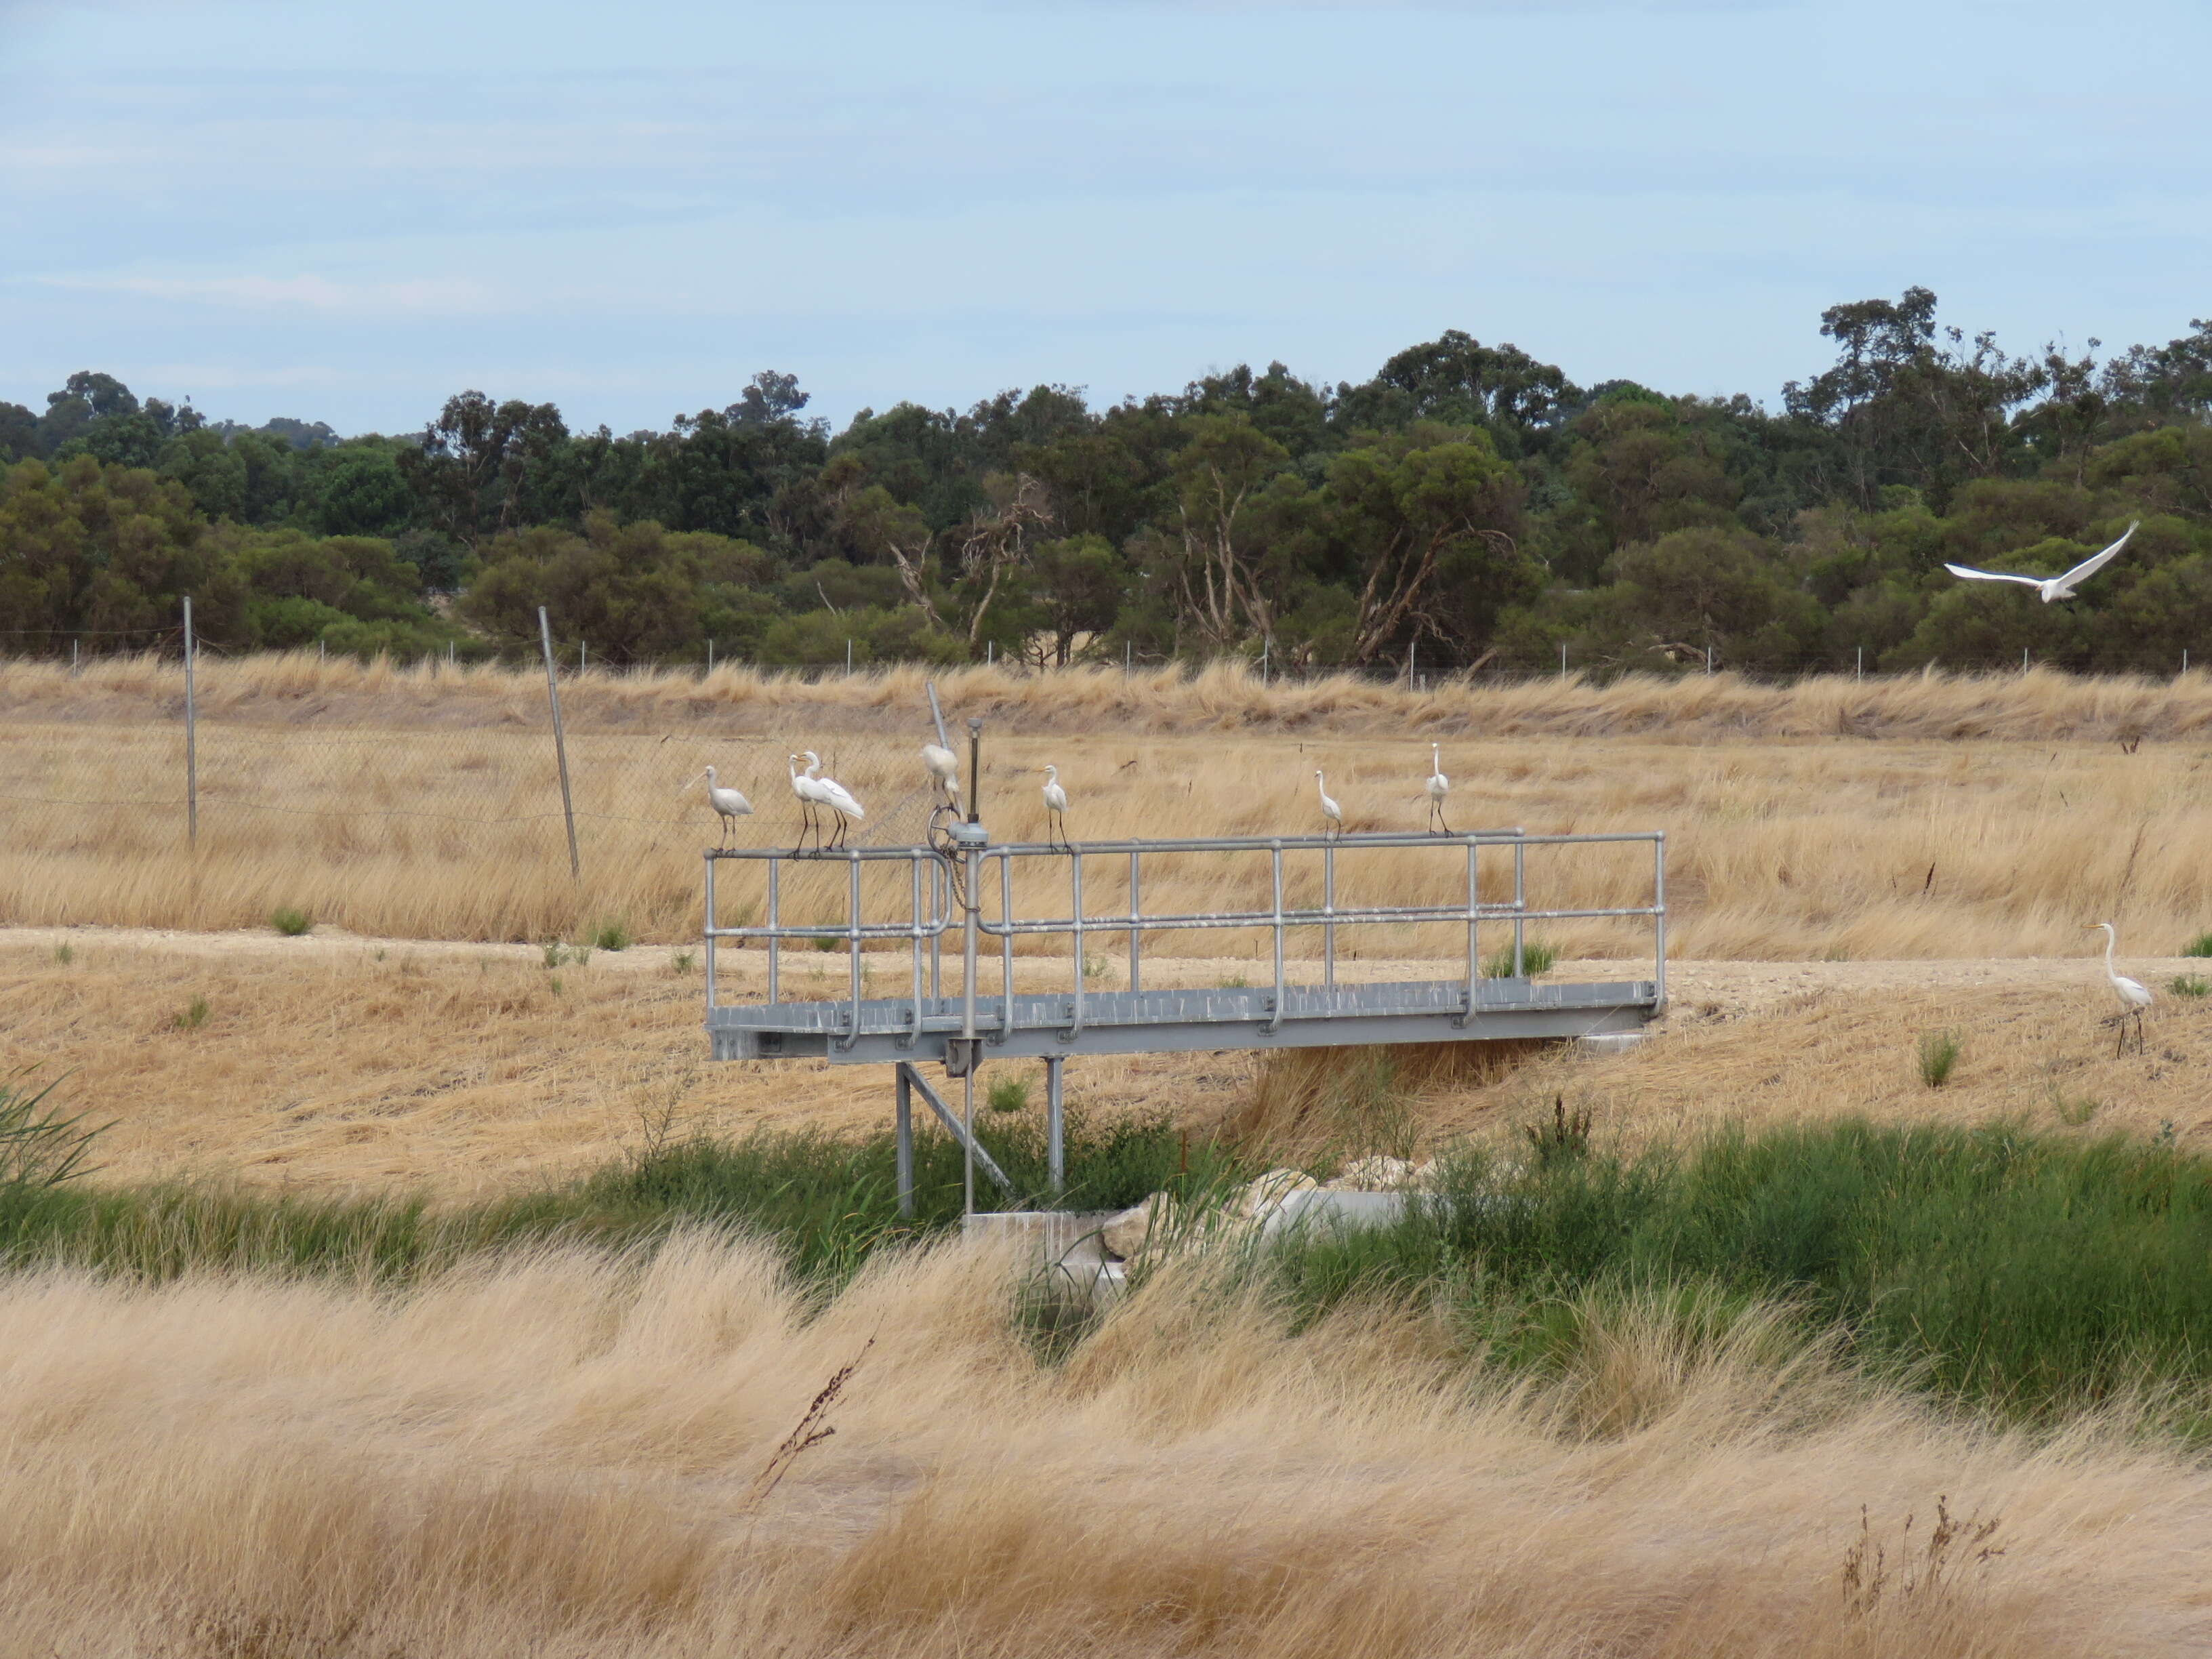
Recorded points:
944,769
2134,998
808,799
728,803
834,796
2051,587
1329,808
1438,786
1055,805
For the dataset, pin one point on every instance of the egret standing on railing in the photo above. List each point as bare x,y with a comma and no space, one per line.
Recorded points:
1438,786
2134,998
808,799
834,796
1329,808
728,802
944,767
1055,806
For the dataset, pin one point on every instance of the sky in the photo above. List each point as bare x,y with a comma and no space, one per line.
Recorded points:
348,214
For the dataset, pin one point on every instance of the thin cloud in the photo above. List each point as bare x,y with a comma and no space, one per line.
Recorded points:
414,296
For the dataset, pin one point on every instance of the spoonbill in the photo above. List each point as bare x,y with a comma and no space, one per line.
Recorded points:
2134,998
2051,587
728,802
1329,808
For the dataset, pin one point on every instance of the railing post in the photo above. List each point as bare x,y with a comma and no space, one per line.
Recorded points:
774,944
1520,902
1275,859
1075,933
709,940
559,744
1006,947
1474,946
852,941
1135,931
1659,904
1329,909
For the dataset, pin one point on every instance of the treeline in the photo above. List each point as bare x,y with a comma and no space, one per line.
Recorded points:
1468,505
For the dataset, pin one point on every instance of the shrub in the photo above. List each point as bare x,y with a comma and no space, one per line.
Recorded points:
680,963
1564,1137
613,936
194,1016
2189,985
291,921
2199,946
1009,1094
64,953
38,1147
1939,1057
1536,957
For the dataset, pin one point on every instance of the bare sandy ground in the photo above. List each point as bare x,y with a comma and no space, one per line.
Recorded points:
332,1059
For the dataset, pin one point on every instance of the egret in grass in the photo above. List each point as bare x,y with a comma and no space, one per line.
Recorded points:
1055,805
2051,587
803,788
2134,998
834,796
1438,786
1329,808
944,769
728,802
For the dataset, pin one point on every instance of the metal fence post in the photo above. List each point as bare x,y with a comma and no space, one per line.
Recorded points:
1055,1136
560,742
191,737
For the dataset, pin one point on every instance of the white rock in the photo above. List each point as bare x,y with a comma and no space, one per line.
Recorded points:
1376,1174
1263,1195
1128,1232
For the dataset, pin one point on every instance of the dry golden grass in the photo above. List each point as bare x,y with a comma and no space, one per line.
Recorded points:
424,803
562,1456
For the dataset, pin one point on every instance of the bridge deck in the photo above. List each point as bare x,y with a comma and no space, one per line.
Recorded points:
1147,1022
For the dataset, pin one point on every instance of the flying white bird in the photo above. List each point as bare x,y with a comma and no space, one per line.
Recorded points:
1055,805
944,769
2051,587
1438,786
808,799
834,796
1329,808
728,802
2134,998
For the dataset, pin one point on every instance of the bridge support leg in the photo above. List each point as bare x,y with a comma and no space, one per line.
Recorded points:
905,1146
1055,1140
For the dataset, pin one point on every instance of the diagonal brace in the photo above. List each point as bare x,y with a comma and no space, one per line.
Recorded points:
954,1127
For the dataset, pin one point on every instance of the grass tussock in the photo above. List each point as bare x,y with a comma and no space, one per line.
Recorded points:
569,1452
1332,1104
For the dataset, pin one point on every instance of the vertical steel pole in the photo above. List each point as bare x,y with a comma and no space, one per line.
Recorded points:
1520,904
191,734
1659,903
1075,936
560,742
967,1041
1562,660
710,656
2184,659
905,1092
853,936
1860,672
774,944
1135,933
1054,1140
848,659
1275,857
1329,909
708,941
1474,948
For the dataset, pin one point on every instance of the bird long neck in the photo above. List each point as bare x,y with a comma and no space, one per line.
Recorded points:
2111,938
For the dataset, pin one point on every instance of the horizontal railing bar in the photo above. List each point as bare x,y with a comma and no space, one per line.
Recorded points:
1206,844
1119,922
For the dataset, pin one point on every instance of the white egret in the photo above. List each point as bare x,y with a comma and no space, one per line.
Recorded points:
2134,998
1329,808
1438,786
2051,587
834,796
728,802
944,769
1055,805
808,800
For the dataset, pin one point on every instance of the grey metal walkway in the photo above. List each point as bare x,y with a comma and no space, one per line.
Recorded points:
879,1030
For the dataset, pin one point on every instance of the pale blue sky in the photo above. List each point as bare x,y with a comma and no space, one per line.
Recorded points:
347,213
